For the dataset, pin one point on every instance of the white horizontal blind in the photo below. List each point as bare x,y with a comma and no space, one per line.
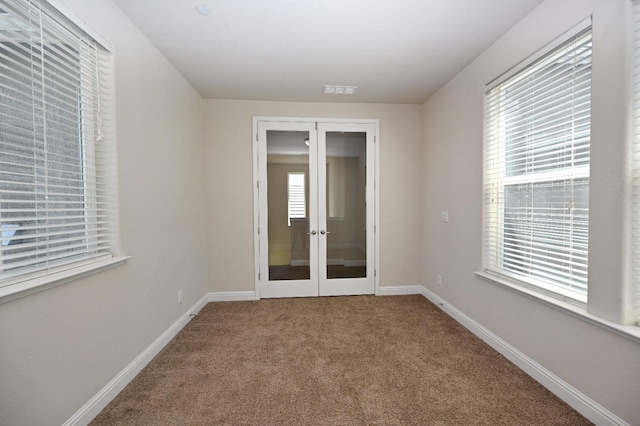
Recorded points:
297,203
56,153
536,186
636,165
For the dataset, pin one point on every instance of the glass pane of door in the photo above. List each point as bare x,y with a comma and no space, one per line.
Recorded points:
288,205
346,209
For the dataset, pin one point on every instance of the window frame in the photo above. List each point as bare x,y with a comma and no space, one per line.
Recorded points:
29,282
634,155
494,188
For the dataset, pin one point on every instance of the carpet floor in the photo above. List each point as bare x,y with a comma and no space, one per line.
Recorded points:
359,360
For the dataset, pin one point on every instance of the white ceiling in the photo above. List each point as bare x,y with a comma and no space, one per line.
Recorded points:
395,51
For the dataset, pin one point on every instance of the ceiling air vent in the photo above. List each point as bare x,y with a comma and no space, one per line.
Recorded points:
339,90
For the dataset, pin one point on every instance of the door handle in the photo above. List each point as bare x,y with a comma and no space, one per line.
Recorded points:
312,232
325,232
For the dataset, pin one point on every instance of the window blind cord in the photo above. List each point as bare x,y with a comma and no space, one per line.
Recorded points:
571,204
38,9
100,135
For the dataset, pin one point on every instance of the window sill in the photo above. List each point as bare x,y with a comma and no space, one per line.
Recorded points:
25,288
628,331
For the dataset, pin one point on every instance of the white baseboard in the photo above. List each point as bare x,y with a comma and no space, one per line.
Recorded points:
96,404
572,396
231,296
400,290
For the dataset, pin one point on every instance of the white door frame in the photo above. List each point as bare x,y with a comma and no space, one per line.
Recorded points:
263,275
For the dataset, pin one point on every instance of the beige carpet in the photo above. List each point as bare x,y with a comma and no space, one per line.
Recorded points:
332,361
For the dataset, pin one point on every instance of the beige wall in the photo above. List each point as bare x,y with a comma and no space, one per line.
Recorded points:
601,364
59,347
229,159
353,188
277,195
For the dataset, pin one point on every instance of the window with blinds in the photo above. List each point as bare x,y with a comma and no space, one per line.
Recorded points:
296,199
536,170
56,143
635,200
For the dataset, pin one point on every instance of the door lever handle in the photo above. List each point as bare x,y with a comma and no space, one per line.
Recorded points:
325,232
312,232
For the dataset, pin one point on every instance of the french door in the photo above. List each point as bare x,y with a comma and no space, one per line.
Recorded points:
315,207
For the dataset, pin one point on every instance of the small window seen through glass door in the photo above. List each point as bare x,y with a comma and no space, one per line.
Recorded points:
297,202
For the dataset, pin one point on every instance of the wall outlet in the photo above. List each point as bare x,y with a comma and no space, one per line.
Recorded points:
445,217
179,296
439,280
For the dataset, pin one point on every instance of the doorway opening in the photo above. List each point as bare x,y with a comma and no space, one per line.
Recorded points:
315,207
